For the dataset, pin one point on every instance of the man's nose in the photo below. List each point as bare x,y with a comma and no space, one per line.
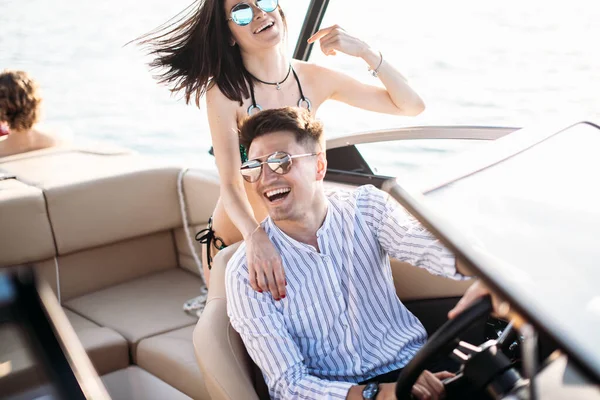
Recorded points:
268,175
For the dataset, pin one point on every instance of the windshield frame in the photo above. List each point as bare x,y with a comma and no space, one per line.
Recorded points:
347,165
312,22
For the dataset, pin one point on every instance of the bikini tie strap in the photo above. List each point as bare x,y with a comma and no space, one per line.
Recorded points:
207,236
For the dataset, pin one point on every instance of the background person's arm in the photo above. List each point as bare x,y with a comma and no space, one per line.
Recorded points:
265,262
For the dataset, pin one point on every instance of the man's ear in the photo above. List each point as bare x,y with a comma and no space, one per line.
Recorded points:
321,166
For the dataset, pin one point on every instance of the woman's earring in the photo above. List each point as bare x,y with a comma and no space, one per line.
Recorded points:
232,43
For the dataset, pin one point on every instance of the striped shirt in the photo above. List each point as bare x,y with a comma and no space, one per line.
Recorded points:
341,321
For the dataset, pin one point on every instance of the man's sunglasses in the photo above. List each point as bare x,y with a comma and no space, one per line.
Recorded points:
279,162
243,13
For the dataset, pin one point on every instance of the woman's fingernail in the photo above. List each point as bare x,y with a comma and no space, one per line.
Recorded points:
283,296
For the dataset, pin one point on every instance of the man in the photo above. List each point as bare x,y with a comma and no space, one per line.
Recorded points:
341,323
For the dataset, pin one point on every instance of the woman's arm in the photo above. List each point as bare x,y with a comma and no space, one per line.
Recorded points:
396,98
223,129
266,272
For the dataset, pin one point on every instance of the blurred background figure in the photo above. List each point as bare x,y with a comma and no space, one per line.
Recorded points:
19,114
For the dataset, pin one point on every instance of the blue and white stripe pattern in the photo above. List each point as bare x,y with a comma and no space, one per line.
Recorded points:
341,321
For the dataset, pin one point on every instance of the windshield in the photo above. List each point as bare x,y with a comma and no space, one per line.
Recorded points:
532,224
410,156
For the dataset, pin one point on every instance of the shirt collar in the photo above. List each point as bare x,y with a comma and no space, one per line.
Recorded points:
327,221
273,230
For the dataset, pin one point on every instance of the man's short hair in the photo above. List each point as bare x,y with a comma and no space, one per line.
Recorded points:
306,129
19,100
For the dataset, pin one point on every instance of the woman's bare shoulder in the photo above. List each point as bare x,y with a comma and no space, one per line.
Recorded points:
220,106
318,76
311,69
214,95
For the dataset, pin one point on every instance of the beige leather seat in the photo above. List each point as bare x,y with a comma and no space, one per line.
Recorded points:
229,373
26,238
106,233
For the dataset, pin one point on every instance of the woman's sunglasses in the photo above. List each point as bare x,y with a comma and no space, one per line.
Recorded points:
279,162
243,13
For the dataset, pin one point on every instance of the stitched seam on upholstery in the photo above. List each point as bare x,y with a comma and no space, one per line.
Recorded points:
216,298
129,350
163,332
50,222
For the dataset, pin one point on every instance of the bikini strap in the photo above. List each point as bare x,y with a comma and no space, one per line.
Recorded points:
252,94
302,98
299,85
253,106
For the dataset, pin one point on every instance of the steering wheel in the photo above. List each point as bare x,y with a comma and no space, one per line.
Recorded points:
441,341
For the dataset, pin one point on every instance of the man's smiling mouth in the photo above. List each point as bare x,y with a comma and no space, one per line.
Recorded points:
273,195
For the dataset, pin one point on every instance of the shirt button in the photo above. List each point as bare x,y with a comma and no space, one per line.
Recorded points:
338,294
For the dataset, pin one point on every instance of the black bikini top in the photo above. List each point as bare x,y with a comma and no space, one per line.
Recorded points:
303,100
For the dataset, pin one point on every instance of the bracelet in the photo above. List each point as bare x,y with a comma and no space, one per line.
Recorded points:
375,72
253,232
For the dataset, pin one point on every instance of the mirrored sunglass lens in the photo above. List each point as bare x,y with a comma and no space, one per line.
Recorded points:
250,170
251,174
267,5
280,163
241,14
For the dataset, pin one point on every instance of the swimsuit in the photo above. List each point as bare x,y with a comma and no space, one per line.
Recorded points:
303,100
255,106
207,236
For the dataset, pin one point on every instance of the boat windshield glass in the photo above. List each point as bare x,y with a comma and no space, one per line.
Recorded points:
533,222
410,156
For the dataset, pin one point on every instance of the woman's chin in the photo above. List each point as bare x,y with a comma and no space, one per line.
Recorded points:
271,38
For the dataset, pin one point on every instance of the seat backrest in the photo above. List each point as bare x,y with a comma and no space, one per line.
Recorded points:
107,218
229,373
25,232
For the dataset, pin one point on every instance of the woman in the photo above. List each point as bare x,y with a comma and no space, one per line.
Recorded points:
19,112
233,52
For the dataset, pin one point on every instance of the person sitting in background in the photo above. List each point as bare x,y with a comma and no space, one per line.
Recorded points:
19,113
340,332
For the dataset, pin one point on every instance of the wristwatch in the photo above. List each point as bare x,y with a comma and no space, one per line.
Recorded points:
370,391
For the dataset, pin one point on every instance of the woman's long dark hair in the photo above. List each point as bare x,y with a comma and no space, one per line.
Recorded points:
195,53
